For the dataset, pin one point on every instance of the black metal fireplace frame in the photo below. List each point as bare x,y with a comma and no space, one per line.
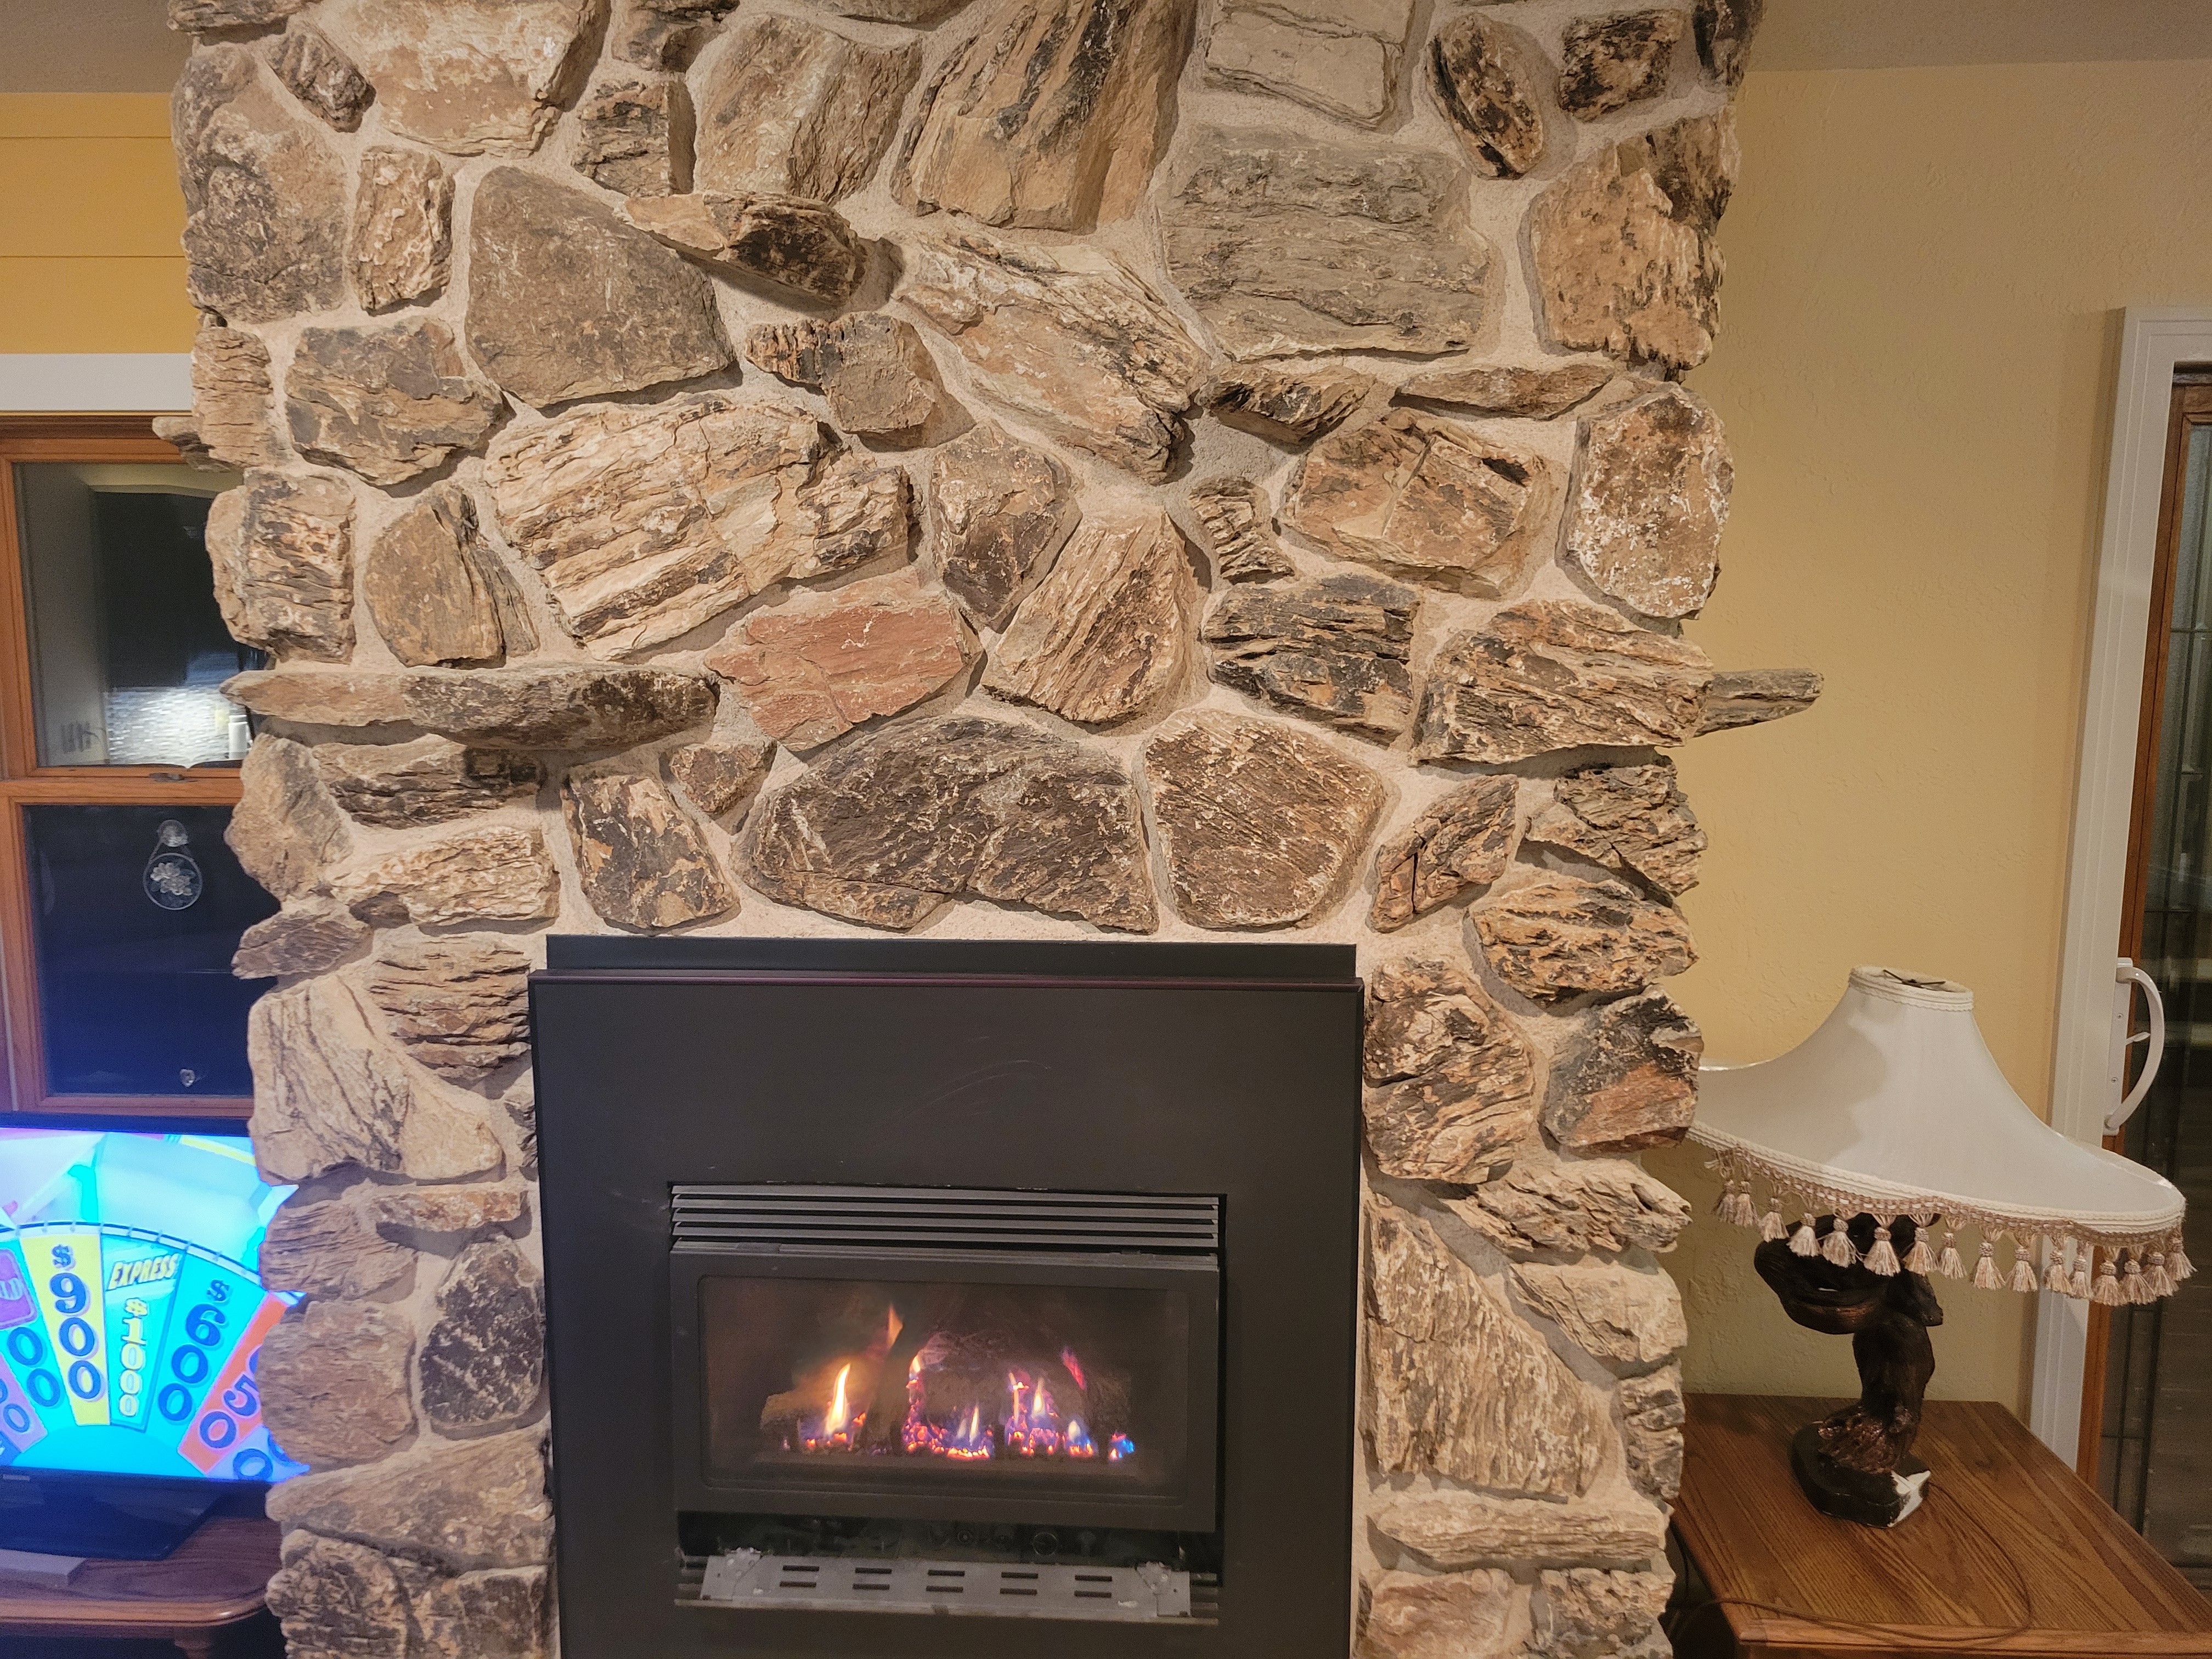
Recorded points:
1231,1070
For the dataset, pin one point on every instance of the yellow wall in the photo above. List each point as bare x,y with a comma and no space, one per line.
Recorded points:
1919,329
89,218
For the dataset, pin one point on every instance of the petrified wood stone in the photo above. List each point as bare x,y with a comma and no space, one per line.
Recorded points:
1628,1319
265,195
1259,821
386,403
1630,817
1285,405
474,1504
401,247
319,75
484,1357
471,77
1049,116
1285,245
1624,252
786,108
178,432
498,874
310,937
1240,530
1557,936
566,301
634,136
1450,1084
919,12
329,1250
647,520
815,668
1747,697
445,1209
565,706
872,368
1650,501
1531,394
1482,82
1609,63
1466,839
1651,1432
804,245
1449,1529
895,823
717,777
485,1615
333,1376
339,1598
425,583
1453,1615
458,1006
1107,633
194,16
1340,59
1585,1613
327,1093
1557,674
282,552
662,34
1637,1086
285,828
1458,1385
232,399
1429,499
1573,1207
998,510
1071,338
1724,29
641,861
1336,647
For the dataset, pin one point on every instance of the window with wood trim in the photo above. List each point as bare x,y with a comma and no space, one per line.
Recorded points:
120,905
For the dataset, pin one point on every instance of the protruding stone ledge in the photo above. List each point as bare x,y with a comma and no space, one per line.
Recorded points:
1451,1529
581,706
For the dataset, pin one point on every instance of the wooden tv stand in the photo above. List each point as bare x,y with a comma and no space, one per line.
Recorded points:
217,1578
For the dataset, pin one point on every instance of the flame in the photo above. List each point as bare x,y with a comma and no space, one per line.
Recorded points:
1075,1368
1119,1446
838,1411
839,1428
1079,1442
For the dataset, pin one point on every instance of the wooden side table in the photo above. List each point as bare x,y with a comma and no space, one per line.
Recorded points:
217,1578
1934,1580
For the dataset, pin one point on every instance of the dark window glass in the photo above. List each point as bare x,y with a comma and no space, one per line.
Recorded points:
128,647
136,912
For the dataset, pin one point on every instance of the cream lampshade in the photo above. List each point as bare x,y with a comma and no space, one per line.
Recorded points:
1895,1108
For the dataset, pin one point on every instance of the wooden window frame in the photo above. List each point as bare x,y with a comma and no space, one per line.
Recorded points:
24,782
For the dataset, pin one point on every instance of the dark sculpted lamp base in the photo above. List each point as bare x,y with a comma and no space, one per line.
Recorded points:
1855,1464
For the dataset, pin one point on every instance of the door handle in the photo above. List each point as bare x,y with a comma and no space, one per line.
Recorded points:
2126,980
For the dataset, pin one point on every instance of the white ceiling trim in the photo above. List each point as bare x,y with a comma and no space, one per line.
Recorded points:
103,382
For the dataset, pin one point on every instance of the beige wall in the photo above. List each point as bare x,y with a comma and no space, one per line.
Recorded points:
89,217
1925,269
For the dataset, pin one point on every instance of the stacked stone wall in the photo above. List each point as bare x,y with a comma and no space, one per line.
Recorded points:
1004,468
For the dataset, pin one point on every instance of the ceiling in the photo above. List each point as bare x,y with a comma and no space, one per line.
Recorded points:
123,45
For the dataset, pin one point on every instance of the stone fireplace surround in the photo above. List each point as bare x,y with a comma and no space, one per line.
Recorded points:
1000,468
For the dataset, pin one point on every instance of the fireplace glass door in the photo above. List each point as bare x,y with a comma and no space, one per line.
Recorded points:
972,1377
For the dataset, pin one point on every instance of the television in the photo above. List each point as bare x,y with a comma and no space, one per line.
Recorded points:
131,1319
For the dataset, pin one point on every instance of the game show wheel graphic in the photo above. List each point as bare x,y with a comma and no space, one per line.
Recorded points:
132,1352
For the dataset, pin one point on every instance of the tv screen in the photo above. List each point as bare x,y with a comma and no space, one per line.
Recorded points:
131,1310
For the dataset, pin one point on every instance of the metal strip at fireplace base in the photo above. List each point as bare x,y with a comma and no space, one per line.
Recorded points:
748,1579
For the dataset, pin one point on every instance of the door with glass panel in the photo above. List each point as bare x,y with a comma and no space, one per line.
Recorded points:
120,905
2155,1420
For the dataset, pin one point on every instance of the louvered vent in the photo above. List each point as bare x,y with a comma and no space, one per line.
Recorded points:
937,1218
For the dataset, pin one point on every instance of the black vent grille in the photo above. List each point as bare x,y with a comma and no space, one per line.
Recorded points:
930,1217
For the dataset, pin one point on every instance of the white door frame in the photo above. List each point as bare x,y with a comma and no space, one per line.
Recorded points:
2153,341
95,382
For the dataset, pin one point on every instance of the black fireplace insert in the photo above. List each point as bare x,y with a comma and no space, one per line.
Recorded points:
893,1279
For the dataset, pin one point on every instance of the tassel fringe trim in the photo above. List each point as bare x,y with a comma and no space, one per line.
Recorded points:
2114,1270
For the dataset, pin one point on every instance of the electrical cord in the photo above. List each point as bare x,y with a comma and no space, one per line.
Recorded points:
1917,1635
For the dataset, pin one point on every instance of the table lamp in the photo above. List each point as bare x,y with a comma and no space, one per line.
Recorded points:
1889,1133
